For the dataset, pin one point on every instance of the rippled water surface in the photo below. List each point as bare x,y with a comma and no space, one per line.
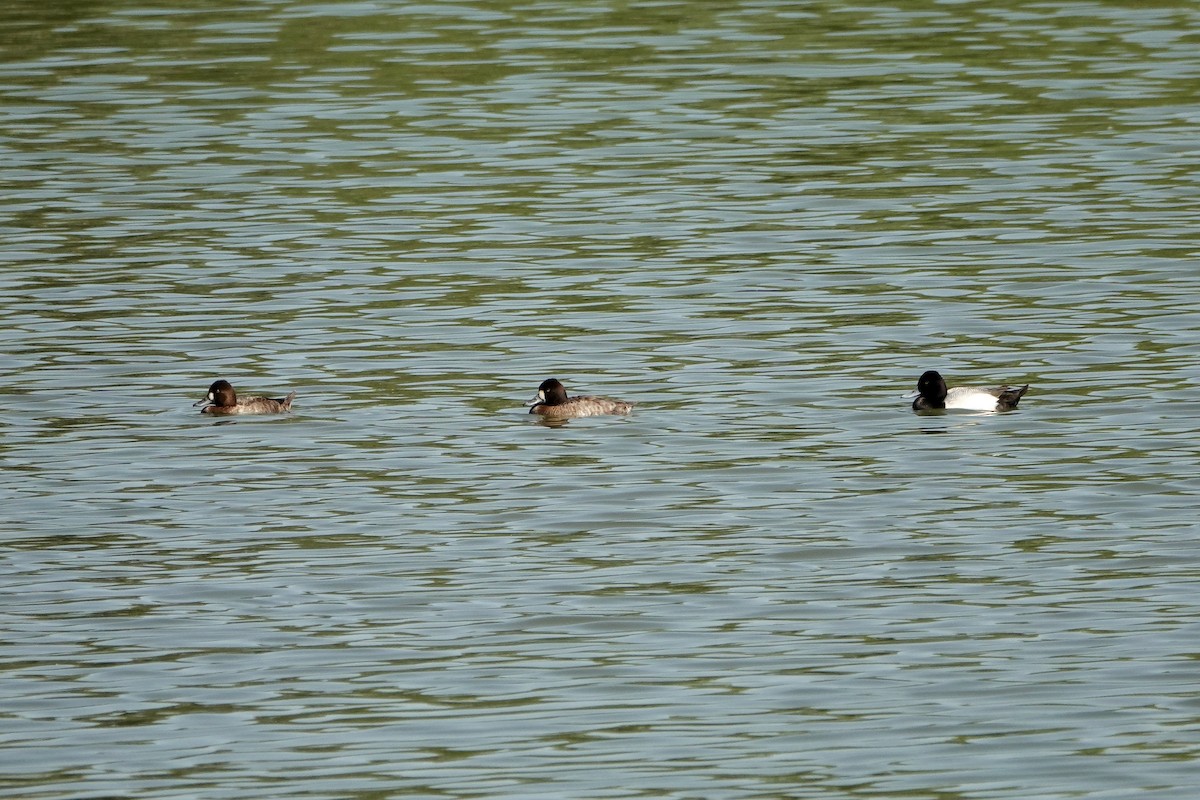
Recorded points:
760,221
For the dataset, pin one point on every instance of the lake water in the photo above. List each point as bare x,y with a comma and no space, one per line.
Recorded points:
760,221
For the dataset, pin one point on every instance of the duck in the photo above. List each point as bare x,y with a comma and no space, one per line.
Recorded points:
551,401
222,400
932,395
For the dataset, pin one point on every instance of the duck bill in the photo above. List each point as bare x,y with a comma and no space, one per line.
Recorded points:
207,399
911,395
540,397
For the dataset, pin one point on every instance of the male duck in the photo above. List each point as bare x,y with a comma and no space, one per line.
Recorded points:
932,395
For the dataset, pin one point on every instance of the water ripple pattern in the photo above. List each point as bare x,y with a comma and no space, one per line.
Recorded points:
759,221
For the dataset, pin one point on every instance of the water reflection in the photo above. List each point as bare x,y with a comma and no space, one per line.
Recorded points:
758,220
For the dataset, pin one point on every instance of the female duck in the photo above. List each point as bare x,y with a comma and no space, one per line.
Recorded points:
222,399
552,402
932,395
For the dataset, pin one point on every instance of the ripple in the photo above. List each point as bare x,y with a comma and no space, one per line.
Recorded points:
760,223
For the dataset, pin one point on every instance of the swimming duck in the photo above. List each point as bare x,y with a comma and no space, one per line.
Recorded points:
933,395
552,401
222,399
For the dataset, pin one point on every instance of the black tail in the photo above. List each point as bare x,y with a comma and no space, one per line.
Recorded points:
1010,397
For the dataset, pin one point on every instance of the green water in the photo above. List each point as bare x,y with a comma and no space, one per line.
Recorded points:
758,221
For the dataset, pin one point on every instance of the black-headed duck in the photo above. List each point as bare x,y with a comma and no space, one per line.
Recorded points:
932,395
